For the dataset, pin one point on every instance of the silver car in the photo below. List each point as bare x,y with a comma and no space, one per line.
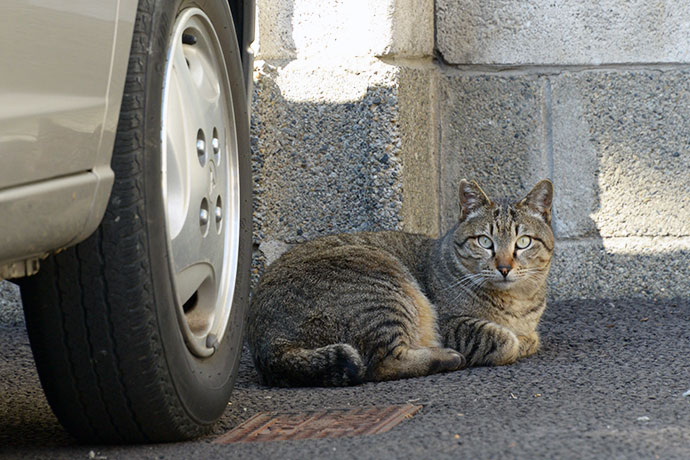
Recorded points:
125,206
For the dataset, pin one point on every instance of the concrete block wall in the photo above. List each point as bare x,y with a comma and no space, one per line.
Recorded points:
594,95
562,32
362,121
342,124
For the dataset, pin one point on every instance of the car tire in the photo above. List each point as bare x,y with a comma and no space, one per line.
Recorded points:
137,331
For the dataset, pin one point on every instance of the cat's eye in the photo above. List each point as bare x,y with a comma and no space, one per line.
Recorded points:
523,242
485,242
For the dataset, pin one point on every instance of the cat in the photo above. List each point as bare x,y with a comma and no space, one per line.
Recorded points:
350,308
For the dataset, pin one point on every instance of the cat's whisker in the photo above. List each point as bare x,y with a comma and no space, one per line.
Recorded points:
469,285
468,282
465,288
532,270
464,280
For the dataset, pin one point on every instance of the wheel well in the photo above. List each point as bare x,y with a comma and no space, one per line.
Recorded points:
237,9
243,19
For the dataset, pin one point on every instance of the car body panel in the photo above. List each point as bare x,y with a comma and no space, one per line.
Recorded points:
64,70
57,133
50,127
32,236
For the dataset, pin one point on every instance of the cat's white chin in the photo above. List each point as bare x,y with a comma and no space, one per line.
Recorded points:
503,284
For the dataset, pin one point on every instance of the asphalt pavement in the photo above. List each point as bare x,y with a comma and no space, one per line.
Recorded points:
611,382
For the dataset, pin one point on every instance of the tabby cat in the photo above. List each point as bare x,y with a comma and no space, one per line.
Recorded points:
349,308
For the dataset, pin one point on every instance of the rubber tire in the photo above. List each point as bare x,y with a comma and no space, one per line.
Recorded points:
101,317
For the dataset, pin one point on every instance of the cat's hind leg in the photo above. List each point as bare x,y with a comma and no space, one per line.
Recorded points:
406,362
338,364
481,342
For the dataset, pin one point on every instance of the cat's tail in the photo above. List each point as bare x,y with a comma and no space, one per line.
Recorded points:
334,365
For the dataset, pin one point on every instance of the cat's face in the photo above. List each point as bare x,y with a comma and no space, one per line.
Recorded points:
505,245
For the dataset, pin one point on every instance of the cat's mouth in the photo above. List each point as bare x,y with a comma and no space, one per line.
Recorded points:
503,283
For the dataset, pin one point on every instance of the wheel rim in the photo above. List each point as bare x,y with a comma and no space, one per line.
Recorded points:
200,181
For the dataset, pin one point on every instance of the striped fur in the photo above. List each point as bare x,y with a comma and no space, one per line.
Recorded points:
350,308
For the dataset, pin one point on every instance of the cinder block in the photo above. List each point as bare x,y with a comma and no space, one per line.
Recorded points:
588,32
613,268
492,131
273,38
621,153
575,164
412,29
326,150
418,149
330,29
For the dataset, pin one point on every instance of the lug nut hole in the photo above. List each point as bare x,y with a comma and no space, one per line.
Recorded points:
219,213
215,143
204,217
201,147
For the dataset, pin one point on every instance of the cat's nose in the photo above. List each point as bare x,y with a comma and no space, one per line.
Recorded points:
504,269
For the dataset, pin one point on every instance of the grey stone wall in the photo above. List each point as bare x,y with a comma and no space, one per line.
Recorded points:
594,95
342,124
562,32
363,122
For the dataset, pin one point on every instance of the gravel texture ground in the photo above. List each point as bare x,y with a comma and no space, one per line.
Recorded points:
611,381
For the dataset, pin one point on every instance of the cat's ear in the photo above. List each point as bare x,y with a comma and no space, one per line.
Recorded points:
539,199
472,197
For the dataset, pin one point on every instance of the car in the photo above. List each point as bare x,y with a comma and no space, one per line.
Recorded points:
126,206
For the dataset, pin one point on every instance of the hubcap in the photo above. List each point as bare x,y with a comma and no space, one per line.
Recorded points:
200,181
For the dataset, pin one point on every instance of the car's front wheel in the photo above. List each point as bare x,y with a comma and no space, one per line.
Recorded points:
137,331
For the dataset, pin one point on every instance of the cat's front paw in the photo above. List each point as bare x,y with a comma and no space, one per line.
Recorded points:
447,359
482,342
529,344
504,347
